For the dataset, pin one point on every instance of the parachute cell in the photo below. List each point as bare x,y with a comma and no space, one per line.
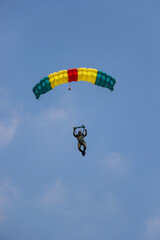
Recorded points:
94,76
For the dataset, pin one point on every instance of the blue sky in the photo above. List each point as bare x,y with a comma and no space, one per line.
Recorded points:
47,189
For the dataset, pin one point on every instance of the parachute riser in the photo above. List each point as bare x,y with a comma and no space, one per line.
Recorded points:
69,88
82,126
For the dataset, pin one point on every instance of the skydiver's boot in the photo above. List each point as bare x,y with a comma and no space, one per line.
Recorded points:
83,153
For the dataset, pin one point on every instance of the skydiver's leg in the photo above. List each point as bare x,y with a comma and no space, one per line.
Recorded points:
79,147
84,148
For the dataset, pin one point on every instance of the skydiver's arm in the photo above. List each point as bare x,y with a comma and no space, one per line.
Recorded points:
74,133
85,133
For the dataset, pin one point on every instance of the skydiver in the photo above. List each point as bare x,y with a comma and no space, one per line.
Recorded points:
80,137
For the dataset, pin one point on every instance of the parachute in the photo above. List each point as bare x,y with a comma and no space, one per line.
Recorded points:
94,76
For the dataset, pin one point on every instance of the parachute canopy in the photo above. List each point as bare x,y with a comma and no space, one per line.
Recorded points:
72,75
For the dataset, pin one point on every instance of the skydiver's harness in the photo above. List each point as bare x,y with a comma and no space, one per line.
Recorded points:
80,139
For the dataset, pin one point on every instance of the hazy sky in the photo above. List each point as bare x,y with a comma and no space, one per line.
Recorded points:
48,190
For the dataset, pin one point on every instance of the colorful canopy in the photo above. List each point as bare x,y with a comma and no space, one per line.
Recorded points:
72,75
